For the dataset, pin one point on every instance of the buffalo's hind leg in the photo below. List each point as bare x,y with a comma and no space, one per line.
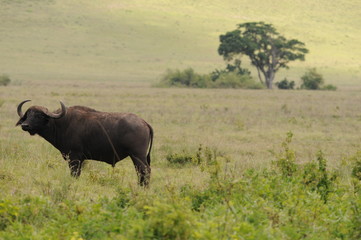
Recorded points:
143,170
75,167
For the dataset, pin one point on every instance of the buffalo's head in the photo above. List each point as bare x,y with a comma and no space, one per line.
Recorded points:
36,118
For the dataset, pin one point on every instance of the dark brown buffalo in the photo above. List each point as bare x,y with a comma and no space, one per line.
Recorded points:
81,133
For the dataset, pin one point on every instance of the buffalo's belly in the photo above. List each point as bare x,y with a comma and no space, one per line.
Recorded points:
105,156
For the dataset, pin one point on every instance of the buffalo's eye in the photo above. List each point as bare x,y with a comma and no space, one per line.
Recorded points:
40,115
43,117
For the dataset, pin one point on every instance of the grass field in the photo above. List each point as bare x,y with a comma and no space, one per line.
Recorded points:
253,182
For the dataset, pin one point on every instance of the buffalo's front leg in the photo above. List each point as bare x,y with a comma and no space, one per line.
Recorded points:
75,167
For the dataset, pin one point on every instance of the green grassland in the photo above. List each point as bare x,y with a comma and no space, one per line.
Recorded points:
137,41
250,183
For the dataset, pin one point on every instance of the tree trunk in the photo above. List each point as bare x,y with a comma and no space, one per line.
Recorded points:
259,75
269,79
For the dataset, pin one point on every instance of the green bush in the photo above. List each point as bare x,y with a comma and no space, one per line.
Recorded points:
285,84
185,78
234,80
317,178
286,159
4,80
312,80
356,165
324,182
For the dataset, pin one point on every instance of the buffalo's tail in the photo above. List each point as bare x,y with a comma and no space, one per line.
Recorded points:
151,143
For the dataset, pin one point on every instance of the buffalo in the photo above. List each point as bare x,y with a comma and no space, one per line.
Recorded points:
82,133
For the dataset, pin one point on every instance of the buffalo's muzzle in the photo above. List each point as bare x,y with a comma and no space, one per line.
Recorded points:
25,126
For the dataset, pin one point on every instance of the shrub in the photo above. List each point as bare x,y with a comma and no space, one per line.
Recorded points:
285,84
311,175
234,80
4,80
185,78
286,159
312,80
324,182
356,165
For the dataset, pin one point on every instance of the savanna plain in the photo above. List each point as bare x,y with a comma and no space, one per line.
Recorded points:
226,163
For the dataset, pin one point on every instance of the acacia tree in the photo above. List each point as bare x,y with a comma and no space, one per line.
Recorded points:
266,48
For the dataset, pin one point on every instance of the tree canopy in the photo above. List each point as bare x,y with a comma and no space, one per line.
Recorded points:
266,48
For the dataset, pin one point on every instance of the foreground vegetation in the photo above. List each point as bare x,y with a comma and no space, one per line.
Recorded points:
287,201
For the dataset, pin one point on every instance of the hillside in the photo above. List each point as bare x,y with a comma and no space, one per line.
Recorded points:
108,40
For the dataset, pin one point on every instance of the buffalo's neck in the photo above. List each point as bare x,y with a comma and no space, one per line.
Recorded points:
51,134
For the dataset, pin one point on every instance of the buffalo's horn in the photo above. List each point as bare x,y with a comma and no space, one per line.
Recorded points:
57,115
20,113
